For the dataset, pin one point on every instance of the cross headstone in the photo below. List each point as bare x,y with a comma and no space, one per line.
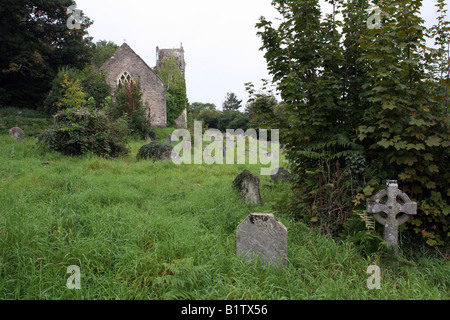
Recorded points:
392,208
263,236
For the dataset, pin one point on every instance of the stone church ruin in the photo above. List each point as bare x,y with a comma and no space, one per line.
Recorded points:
125,65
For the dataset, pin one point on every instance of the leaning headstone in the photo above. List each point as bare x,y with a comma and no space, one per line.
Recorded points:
17,133
392,210
263,236
280,173
248,186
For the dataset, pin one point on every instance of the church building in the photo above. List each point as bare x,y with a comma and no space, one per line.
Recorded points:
125,65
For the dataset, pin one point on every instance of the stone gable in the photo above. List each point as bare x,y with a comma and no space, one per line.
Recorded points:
125,62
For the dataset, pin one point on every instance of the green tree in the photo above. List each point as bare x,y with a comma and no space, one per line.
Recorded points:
35,43
209,117
305,57
74,96
362,96
231,103
403,121
264,111
101,51
92,83
196,108
95,85
233,120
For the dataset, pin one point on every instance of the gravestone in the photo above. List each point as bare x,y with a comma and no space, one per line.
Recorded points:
263,236
17,133
169,138
169,156
248,186
280,173
396,213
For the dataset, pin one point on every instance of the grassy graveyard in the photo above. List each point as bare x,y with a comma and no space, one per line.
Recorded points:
155,230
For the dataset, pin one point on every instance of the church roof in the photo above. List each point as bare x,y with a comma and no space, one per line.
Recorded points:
123,50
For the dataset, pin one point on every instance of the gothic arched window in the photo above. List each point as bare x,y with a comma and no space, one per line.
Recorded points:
124,78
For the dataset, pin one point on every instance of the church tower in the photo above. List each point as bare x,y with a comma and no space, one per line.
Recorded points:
179,53
181,121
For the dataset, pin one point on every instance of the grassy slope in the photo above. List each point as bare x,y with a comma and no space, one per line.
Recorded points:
144,230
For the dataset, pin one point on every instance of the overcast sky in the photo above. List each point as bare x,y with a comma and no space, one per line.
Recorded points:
218,36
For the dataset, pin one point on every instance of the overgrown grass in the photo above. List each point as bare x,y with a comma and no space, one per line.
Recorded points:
154,230
31,121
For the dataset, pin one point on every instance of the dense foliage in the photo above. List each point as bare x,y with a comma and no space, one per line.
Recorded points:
229,118
35,43
176,99
128,105
79,131
362,105
74,88
102,51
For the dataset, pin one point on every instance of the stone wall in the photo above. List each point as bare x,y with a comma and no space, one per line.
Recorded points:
154,89
163,53
181,121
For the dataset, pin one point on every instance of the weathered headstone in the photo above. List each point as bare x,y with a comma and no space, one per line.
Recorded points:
17,133
169,156
391,208
169,138
280,173
263,236
248,186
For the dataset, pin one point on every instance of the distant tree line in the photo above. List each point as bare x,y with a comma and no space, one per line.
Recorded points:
231,116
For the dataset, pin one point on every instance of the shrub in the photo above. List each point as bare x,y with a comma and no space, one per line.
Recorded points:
79,131
66,78
154,150
128,104
95,85
152,135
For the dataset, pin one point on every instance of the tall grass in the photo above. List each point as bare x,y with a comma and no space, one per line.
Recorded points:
154,230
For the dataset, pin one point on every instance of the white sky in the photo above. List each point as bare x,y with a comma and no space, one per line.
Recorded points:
218,36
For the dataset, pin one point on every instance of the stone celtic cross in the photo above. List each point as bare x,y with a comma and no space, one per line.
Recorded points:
392,208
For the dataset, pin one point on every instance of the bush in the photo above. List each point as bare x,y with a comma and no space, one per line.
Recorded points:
154,150
151,135
66,77
128,105
79,131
